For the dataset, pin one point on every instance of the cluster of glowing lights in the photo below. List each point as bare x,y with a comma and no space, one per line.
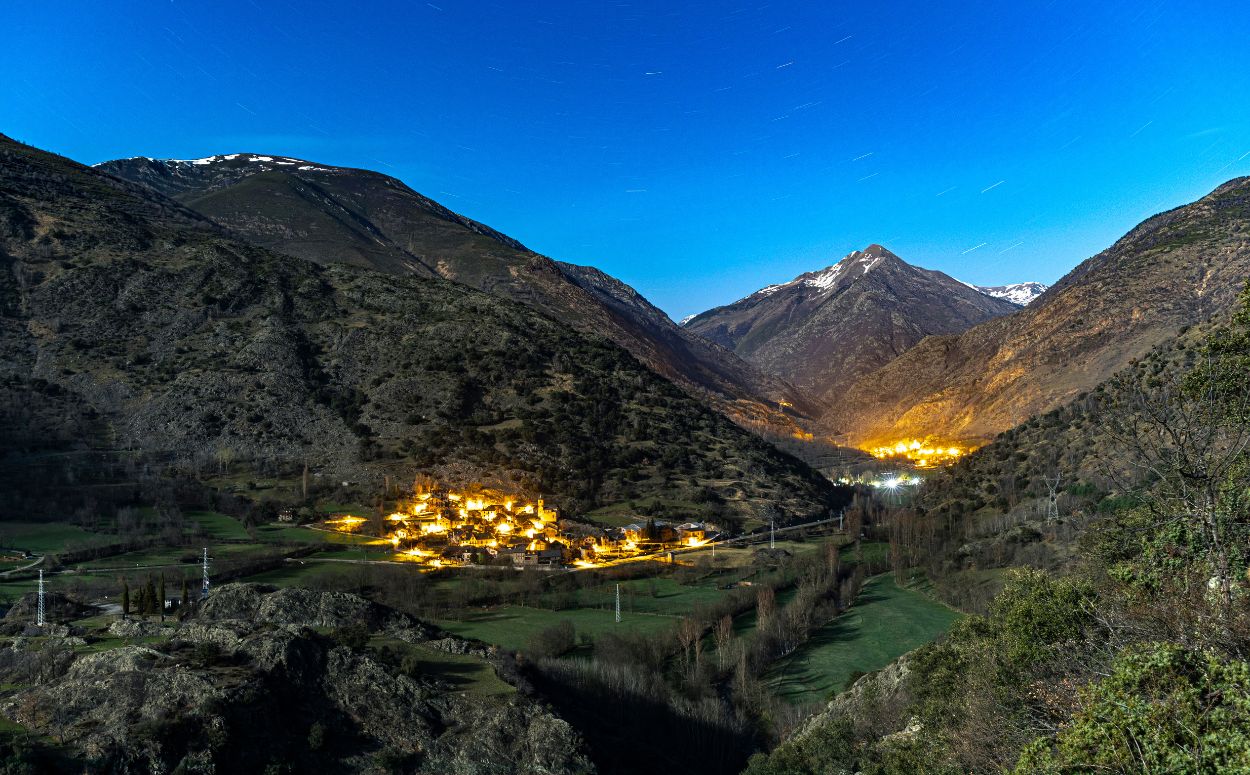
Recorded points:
422,526
438,529
895,482
922,454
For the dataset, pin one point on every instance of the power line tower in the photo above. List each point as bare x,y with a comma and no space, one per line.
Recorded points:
618,603
204,566
772,533
1052,499
39,608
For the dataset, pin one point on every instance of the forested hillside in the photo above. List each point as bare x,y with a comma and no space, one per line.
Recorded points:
139,340
1132,654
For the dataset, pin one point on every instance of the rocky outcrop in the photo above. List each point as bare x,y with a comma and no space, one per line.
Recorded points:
249,681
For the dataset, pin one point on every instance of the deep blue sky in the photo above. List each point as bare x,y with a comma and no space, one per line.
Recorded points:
696,150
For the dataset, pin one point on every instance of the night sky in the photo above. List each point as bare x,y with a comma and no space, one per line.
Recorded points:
698,151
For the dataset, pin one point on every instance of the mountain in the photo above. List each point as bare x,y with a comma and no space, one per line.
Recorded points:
1176,269
329,214
1020,294
138,338
825,329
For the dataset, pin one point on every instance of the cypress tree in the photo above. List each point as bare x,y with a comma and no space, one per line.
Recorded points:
150,597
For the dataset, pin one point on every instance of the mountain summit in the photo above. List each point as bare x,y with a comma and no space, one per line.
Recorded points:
824,329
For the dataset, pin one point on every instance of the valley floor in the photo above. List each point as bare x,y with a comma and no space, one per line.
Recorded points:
886,622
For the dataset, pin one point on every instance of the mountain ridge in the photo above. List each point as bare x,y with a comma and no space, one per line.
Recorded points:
1020,294
329,214
1175,269
136,334
827,327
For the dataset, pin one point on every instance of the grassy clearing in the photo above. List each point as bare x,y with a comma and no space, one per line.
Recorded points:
738,556
47,537
512,627
219,525
886,622
177,555
305,574
660,595
289,534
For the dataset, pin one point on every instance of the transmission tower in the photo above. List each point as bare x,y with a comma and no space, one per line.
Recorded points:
39,609
618,603
772,533
1052,499
204,565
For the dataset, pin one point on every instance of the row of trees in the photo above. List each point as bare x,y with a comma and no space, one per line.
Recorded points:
149,599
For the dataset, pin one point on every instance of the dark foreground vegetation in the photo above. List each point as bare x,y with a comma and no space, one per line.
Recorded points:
1136,658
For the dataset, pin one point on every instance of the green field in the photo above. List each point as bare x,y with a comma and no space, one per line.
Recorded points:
177,556
886,622
657,595
512,627
738,556
303,574
46,537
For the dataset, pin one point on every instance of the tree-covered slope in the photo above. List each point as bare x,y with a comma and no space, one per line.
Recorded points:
1175,269
137,333
329,214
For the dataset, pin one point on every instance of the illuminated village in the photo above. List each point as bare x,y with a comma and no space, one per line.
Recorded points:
922,454
440,528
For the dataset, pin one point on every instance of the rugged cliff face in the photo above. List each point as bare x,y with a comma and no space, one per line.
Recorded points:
825,329
252,680
336,215
137,336
1176,269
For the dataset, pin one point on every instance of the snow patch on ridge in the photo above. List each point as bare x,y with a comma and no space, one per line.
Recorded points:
1020,294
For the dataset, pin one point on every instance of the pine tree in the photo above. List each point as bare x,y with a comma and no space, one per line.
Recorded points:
186,593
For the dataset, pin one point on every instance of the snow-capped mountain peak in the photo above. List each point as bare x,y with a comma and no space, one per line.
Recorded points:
1020,294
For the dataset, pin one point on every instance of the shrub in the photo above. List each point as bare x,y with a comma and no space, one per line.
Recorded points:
554,640
354,636
1164,708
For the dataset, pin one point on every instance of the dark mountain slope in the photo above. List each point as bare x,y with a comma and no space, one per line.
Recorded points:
825,329
136,332
1178,268
339,215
